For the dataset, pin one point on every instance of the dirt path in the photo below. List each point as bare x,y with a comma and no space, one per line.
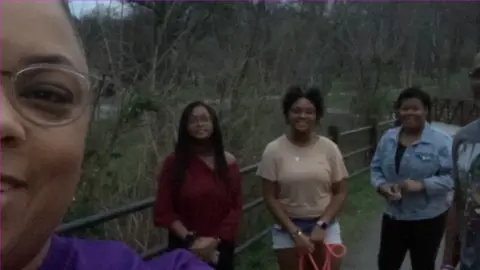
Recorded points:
363,256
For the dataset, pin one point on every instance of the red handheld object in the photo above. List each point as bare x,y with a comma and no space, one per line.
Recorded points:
331,250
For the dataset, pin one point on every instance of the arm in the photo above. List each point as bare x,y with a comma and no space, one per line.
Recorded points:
451,254
164,213
269,189
339,186
442,182
377,177
229,226
267,170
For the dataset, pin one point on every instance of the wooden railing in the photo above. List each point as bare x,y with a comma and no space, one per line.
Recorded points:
455,111
359,156
357,148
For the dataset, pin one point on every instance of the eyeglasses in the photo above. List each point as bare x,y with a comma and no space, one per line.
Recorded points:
48,95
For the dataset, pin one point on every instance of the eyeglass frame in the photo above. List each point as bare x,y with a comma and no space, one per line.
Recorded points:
13,76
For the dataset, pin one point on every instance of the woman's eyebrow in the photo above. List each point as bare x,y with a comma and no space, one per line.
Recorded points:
55,59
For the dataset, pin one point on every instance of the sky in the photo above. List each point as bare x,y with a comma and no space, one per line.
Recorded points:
80,7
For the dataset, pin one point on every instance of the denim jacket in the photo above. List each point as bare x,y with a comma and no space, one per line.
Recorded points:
429,160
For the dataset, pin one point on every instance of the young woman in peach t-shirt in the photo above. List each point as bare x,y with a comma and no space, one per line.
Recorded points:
303,183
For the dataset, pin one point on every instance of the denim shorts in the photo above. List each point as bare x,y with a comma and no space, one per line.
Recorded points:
282,239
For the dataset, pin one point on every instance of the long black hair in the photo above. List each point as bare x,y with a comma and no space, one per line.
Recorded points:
183,146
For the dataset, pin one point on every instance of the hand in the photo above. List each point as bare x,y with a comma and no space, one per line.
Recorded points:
204,247
318,234
303,243
410,185
391,192
214,257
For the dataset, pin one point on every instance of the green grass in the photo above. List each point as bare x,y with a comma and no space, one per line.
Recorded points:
363,207
258,256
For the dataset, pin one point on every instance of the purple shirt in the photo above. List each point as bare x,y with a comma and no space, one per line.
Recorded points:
79,254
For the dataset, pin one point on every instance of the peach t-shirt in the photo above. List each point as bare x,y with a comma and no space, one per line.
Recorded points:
304,174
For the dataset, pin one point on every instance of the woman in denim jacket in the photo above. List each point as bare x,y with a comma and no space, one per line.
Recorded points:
411,169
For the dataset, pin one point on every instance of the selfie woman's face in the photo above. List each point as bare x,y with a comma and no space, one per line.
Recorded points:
412,113
43,124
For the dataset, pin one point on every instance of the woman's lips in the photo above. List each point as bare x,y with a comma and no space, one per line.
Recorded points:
410,118
301,124
4,188
201,133
8,182
8,186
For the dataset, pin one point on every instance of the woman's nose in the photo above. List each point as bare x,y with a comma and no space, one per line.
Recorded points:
11,126
303,115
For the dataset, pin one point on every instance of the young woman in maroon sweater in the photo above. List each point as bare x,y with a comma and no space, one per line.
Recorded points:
199,198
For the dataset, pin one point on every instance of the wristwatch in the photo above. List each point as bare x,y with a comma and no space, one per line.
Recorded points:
189,239
322,224
297,232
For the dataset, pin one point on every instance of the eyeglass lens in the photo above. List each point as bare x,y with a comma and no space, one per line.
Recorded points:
50,95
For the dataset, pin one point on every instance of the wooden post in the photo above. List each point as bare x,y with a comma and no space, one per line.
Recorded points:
374,137
434,110
462,121
333,133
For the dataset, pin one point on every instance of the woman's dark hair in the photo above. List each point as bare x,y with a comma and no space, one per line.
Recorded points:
183,151
295,93
415,92
66,7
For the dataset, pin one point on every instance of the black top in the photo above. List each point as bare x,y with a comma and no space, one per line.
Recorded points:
398,155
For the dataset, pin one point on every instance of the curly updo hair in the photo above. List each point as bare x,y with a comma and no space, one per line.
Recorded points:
312,94
414,92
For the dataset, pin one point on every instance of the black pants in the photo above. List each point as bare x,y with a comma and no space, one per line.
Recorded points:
421,238
226,250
